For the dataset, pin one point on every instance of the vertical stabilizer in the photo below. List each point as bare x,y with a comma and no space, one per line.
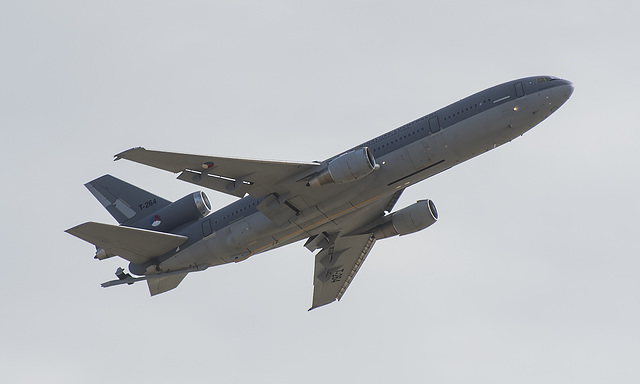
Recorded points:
125,202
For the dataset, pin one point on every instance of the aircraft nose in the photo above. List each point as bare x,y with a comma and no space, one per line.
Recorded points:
562,88
560,91
567,87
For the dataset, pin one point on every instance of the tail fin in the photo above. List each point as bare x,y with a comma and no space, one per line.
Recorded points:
125,202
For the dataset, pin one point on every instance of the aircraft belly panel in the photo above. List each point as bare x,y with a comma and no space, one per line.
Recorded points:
308,225
477,134
418,153
183,259
393,172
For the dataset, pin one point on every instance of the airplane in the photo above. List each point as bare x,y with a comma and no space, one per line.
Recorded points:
341,205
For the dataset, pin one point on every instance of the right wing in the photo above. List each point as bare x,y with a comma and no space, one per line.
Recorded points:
133,244
342,255
234,176
337,265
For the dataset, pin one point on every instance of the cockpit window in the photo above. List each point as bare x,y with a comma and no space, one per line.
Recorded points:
546,78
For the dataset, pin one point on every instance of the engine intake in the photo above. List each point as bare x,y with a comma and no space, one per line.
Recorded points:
347,167
413,218
190,208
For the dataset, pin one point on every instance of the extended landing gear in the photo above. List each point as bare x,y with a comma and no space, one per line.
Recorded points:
122,275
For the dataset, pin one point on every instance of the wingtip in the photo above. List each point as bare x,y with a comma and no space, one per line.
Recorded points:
122,154
321,305
74,230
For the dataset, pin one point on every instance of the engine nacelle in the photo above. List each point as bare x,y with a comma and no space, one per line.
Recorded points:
347,167
190,208
413,218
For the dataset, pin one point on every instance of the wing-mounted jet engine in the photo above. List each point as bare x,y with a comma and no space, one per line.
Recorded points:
347,167
413,218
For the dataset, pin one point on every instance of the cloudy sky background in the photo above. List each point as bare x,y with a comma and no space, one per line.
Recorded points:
531,275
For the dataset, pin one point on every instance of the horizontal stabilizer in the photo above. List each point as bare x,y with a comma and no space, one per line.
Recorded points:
157,283
133,244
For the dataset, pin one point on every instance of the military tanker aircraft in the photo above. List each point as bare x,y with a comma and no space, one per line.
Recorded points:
341,206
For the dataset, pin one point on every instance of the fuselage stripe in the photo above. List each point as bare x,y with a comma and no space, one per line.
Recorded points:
416,172
501,99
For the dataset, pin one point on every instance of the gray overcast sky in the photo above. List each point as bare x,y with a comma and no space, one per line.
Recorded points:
530,276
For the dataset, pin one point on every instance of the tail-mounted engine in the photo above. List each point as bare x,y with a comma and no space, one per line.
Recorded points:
190,208
413,218
347,167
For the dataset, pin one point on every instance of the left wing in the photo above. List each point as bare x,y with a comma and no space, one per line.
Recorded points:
337,265
234,176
